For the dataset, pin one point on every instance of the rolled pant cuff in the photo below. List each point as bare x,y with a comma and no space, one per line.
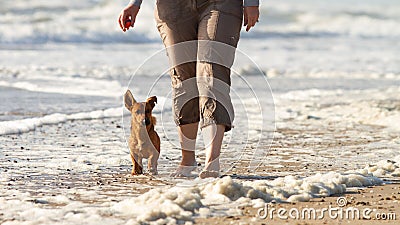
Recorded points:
184,122
209,121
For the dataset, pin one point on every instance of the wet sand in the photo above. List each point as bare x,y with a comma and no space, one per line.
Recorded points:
87,161
383,202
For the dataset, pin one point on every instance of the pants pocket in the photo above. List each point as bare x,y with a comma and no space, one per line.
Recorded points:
233,7
173,11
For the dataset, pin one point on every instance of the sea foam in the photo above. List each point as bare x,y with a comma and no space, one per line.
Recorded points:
181,203
26,125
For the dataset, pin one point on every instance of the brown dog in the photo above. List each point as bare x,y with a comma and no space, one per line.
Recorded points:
144,141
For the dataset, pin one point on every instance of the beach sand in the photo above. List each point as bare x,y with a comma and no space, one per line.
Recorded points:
380,199
82,166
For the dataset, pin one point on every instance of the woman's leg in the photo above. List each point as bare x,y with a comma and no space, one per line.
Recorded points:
218,35
212,135
187,137
177,23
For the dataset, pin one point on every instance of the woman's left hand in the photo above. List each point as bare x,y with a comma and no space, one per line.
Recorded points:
251,14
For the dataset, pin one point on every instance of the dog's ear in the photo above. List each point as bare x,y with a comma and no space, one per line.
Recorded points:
129,100
152,101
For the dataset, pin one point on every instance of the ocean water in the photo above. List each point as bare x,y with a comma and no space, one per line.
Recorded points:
71,57
94,21
305,36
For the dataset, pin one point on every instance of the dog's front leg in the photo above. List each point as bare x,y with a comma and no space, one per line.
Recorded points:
136,164
152,164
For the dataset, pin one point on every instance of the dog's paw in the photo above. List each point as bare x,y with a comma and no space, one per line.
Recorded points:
136,172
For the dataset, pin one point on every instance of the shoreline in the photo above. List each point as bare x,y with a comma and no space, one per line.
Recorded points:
78,171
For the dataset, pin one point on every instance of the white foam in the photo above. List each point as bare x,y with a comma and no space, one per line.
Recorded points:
68,85
78,20
179,203
197,198
358,53
371,106
309,94
23,209
26,125
383,168
202,199
74,21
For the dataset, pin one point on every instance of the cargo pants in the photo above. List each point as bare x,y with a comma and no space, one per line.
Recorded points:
200,37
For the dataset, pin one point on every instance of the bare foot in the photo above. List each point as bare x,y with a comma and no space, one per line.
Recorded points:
211,169
207,173
184,171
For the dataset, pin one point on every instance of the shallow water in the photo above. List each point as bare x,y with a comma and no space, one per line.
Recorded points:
82,166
